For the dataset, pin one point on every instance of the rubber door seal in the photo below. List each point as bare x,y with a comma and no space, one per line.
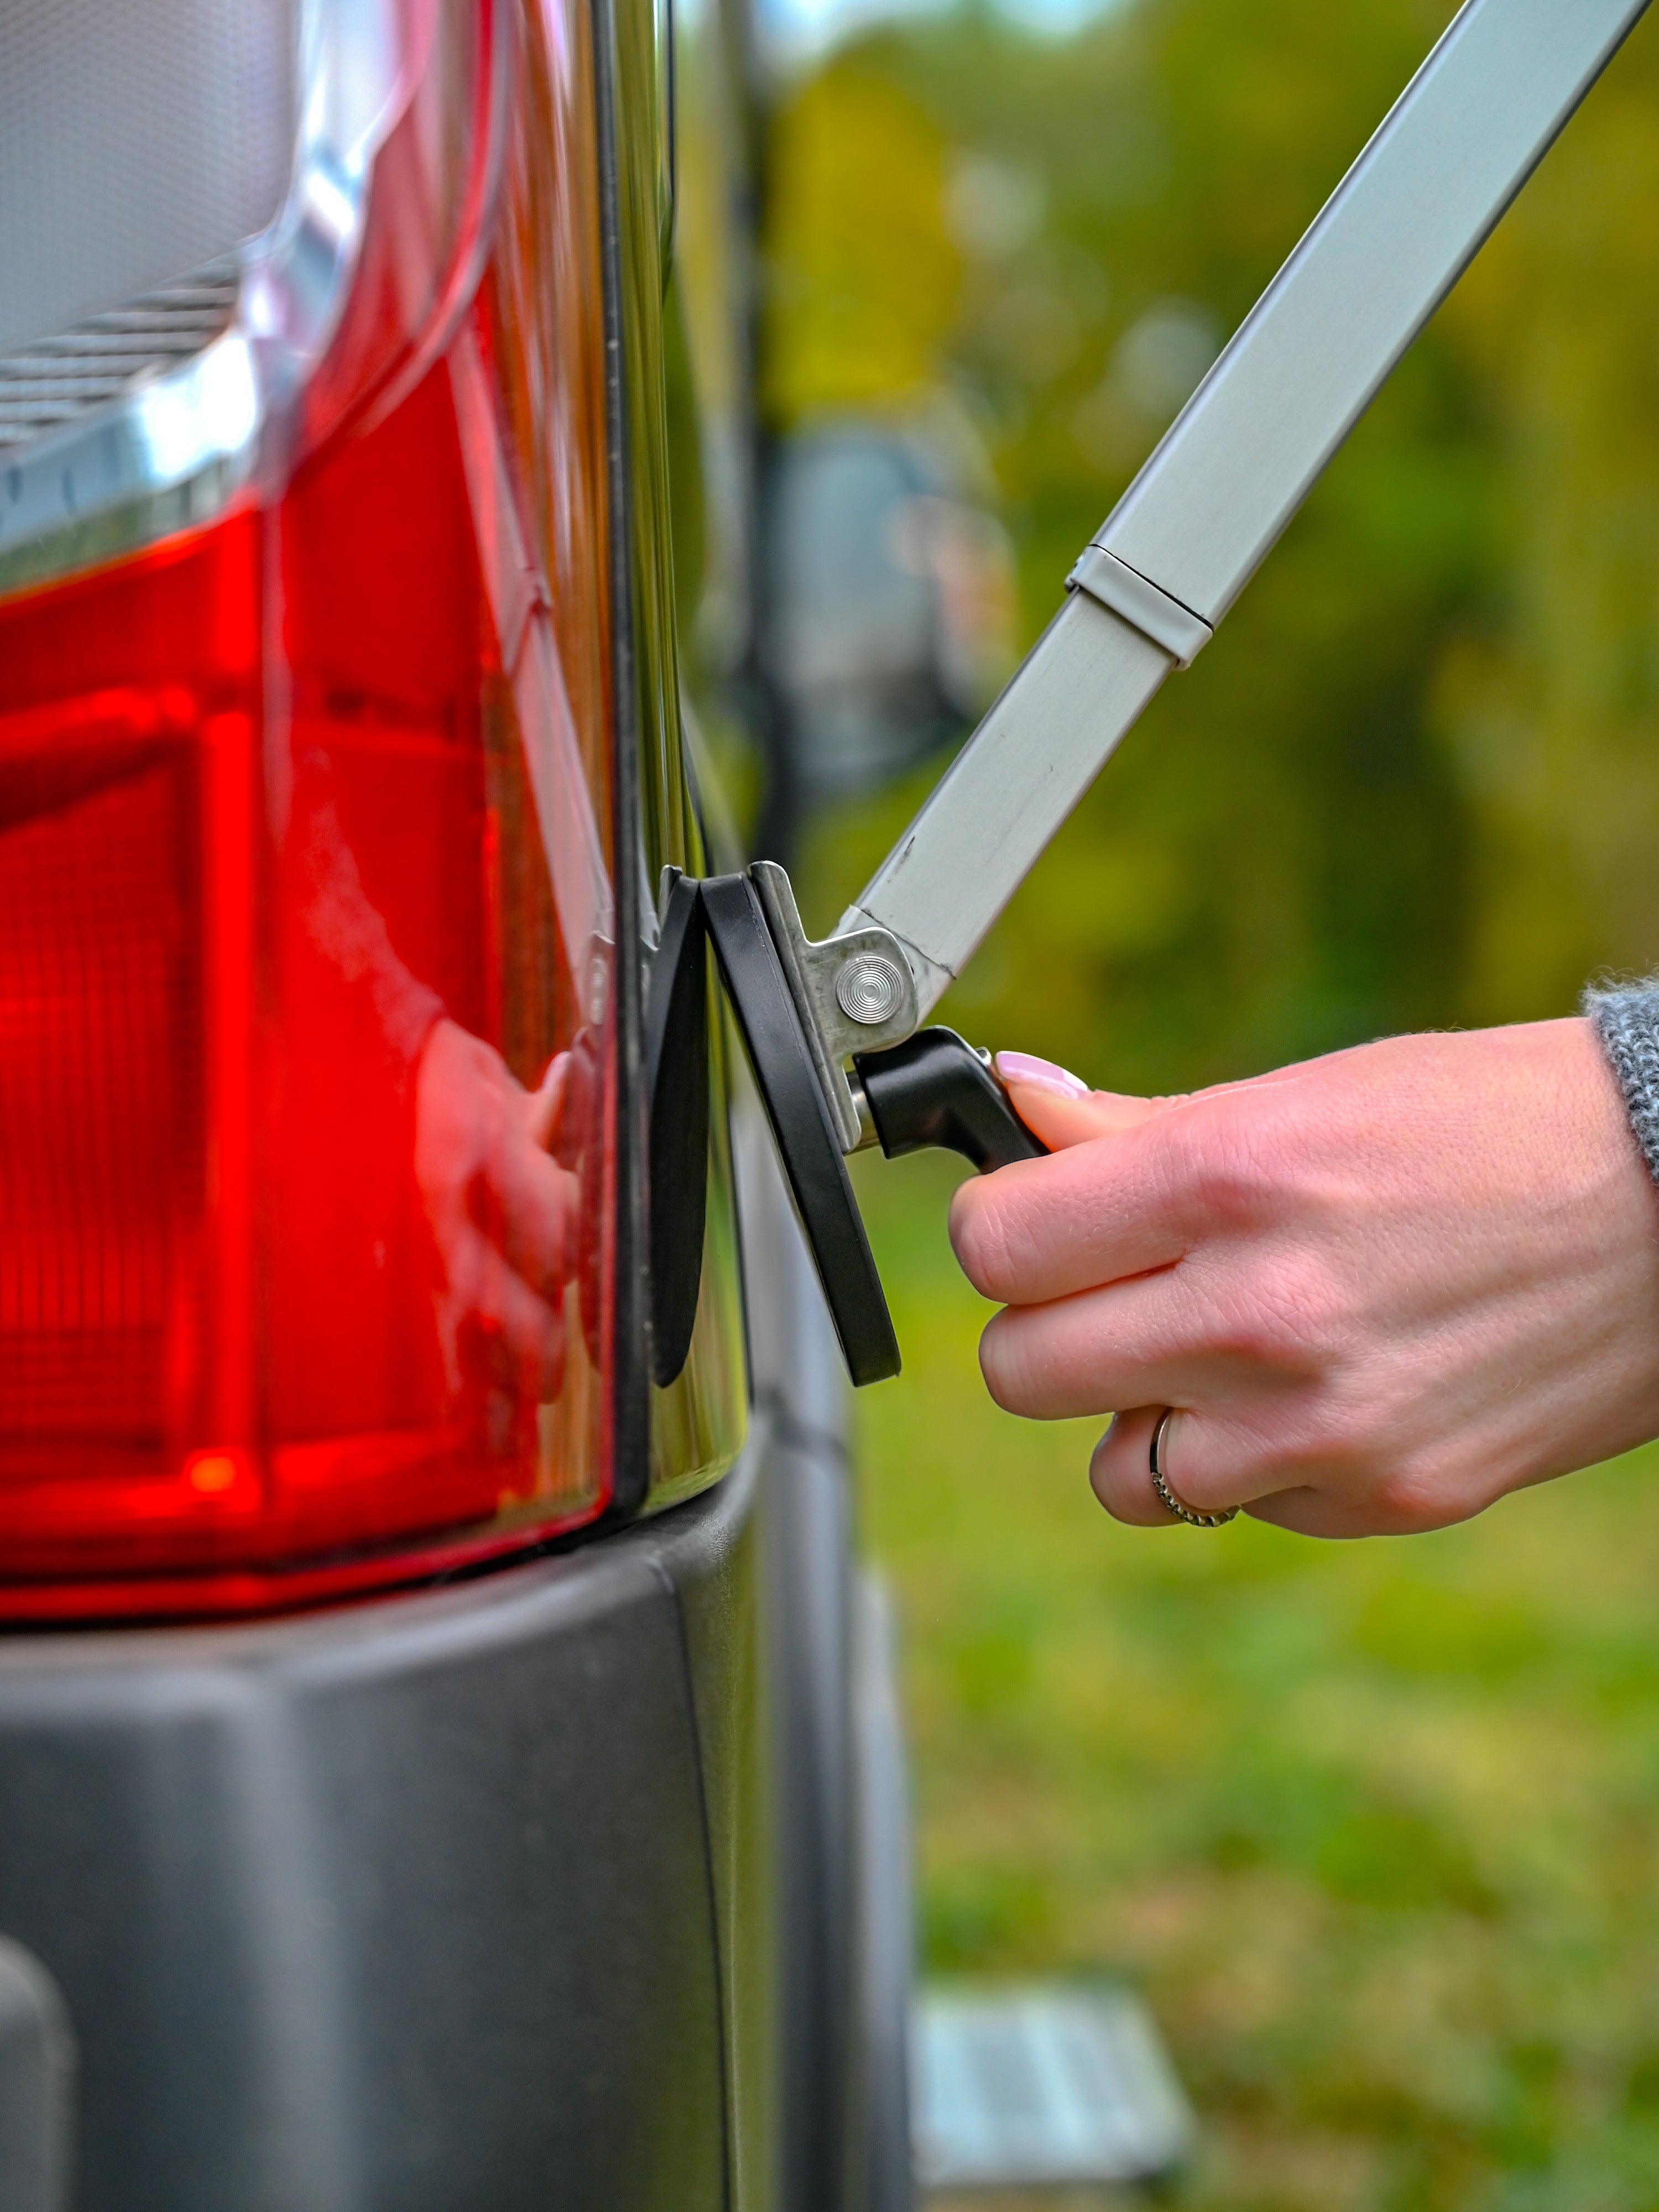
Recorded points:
677,1087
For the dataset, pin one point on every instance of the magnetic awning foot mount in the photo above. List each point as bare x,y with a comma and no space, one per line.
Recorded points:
790,998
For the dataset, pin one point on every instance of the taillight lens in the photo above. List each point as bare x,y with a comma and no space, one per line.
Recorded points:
307,1066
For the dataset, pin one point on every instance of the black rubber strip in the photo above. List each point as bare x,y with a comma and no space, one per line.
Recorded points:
801,1122
677,1088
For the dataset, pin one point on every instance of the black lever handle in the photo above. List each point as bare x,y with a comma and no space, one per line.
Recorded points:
934,1089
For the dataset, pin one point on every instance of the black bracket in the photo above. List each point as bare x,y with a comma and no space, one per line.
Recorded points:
932,1090
800,1118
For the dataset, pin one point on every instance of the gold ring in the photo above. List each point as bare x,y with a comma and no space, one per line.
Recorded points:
1166,1496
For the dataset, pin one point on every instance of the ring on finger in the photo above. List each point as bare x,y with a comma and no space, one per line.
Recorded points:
1166,1496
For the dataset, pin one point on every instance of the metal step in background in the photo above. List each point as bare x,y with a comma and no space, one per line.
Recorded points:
1042,2087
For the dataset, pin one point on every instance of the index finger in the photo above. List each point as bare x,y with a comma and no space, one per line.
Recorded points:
1064,1118
1095,1214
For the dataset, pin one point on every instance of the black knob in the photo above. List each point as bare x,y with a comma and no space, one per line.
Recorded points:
934,1089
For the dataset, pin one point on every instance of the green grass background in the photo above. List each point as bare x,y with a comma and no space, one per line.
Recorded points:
1374,1827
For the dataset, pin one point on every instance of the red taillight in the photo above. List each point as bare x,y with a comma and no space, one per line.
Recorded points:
306,1062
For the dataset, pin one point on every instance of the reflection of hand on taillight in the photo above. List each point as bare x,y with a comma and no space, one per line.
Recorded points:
574,1087
503,1215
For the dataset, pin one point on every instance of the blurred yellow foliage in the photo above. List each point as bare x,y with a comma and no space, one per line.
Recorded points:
862,278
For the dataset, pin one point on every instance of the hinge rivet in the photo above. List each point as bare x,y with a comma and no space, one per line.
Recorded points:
869,990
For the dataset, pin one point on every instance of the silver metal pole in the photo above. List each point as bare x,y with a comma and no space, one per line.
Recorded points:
1209,505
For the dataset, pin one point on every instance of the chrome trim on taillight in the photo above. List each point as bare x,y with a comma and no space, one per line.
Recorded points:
100,464
52,381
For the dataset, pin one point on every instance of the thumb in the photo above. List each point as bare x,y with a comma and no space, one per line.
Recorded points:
1059,1108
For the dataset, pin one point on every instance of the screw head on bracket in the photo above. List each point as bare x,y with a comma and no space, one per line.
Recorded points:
869,989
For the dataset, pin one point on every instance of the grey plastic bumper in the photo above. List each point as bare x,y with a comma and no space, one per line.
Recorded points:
545,1890
408,1905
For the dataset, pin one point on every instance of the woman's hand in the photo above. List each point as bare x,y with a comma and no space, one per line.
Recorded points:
1382,1289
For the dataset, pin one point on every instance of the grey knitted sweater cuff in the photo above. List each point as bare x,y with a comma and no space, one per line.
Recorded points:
1627,1023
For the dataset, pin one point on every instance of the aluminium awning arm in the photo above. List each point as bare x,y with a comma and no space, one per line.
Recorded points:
1212,501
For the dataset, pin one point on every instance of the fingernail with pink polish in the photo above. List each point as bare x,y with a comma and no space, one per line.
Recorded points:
1040,1075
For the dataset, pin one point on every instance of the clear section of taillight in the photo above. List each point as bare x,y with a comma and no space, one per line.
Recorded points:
308,1064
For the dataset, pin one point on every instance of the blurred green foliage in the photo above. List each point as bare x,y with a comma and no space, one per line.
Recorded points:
1376,1826
1416,781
